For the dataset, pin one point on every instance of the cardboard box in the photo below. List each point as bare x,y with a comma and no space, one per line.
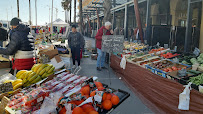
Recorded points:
6,64
50,53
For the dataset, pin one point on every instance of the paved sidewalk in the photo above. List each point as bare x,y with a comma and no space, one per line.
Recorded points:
132,105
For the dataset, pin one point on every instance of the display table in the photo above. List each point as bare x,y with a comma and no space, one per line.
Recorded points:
161,95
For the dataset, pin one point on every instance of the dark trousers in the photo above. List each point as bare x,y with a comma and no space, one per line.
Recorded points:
76,54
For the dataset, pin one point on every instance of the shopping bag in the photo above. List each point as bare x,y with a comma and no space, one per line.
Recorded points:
123,62
184,98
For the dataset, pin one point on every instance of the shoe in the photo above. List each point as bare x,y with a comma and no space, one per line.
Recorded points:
99,69
73,67
103,67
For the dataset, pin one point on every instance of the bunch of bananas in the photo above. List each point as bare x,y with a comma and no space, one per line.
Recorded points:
36,74
15,83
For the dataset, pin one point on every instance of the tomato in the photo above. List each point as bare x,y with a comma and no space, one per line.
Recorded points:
166,70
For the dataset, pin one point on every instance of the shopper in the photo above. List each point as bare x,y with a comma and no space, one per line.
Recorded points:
76,42
20,45
3,34
104,30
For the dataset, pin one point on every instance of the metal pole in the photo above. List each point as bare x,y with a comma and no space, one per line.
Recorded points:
148,12
137,14
30,16
36,11
81,19
188,33
52,19
126,22
70,11
74,11
98,19
18,8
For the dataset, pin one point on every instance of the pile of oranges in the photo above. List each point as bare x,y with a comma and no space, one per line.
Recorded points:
108,100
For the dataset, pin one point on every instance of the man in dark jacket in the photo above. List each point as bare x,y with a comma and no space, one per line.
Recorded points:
105,30
3,34
76,42
20,45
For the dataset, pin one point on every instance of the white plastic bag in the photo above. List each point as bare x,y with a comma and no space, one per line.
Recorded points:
184,98
123,62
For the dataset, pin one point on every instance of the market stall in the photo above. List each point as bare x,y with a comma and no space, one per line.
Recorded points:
157,78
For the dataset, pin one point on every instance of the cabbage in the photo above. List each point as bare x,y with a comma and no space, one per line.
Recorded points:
201,65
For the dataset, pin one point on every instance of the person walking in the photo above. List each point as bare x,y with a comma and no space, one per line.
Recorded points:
3,34
76,42
20,45
104,30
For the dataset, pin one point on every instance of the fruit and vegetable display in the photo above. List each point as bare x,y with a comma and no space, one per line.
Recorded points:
83,94
185,59
156,50
26,78
197,80
169,55
198,60
161,64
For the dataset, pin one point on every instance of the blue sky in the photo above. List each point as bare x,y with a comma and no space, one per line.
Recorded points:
42,10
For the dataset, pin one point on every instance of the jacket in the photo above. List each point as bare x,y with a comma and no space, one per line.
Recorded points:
3,34
19,41
75,40
99,35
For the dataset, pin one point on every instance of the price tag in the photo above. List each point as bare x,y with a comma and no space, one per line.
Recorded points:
98,98
200,89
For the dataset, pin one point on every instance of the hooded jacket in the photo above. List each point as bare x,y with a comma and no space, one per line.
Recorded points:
99,35
19,41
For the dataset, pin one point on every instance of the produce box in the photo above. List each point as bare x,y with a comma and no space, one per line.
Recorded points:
194,79
150,68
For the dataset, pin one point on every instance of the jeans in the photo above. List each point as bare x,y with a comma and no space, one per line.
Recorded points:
100,58
76,54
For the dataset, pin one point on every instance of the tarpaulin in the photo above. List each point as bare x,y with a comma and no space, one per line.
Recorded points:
159,94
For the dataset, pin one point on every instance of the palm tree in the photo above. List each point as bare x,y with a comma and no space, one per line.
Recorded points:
66,5
75,11
107,10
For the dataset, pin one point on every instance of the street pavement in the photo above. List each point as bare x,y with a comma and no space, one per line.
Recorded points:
132,105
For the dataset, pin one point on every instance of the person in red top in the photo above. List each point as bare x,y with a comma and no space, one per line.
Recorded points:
104,30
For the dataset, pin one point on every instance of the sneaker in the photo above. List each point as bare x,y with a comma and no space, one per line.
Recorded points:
99,69
103,67
73,67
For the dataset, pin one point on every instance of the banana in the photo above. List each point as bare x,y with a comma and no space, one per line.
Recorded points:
49,74
25,84
42,72
25,80
37,67
44,75
10,92
16,82
28,85
36,80
33,67
32,78
7,81
41,68
51,70
22,76
49,67
17,86
31,75
28,73
20,72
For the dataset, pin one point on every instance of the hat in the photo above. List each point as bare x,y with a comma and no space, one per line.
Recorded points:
107,23
15,21
73,26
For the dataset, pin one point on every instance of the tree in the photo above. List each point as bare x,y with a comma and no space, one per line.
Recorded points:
66,5
107,10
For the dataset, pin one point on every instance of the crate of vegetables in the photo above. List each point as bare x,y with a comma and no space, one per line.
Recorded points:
197,81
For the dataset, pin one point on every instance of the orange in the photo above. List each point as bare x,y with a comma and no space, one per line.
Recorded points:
100,88
104,96
77,110
98,84
85,90
107,105
87,108
115,99
108,96
78,102
92,93
93,112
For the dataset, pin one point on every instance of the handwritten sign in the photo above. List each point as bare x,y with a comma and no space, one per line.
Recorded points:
6,87
112,43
